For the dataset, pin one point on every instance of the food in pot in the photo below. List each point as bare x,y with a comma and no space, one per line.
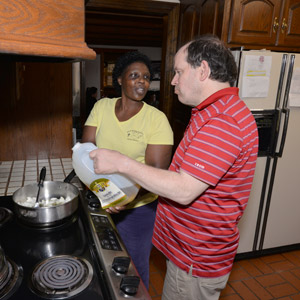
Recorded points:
31,202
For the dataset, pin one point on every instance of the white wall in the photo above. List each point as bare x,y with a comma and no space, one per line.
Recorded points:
92,74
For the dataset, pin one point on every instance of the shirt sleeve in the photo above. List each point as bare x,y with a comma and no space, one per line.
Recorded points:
161,132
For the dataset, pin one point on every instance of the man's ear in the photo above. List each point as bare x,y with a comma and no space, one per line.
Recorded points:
204,70
119,80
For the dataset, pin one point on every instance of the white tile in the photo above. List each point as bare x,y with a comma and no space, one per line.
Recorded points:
4,175
66,160
31,173
31,163
58,178
6,163
11,190
30,177
2,192
58,172
56,167
30,168
14,184
55,161
17,174
3,185
26,182
3,179
19,162
16,178
18,168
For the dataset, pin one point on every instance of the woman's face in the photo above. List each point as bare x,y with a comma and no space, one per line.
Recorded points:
135,81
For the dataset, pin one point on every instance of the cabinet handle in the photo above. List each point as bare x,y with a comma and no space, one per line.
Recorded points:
275,25
283,25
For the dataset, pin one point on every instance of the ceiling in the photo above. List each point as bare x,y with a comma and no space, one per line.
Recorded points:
118,29
125,23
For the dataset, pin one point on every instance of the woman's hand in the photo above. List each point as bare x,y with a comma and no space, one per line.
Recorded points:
115,209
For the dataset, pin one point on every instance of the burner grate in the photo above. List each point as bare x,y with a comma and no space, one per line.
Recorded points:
5,215
61,277
12,279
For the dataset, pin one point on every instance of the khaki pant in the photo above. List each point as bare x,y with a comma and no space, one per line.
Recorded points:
179,285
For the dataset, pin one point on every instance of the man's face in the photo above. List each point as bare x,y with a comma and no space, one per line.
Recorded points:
185,80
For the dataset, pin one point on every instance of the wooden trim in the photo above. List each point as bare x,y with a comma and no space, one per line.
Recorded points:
170,14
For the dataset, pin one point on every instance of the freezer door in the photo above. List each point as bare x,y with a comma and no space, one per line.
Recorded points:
261,77
283,222
249,225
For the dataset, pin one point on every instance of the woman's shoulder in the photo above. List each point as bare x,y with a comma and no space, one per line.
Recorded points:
153,110
105,102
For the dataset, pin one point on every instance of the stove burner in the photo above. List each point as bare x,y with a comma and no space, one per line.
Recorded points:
12,279
5,215
61,277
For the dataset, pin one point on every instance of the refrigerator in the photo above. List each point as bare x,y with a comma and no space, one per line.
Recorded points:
269,84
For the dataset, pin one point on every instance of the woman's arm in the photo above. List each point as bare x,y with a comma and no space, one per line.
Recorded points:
158,156
89,134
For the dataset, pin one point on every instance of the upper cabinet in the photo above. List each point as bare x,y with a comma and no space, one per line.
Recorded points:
253,24
44,28
199,17
274,24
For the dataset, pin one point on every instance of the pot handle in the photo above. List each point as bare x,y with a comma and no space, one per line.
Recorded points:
42,177
70,176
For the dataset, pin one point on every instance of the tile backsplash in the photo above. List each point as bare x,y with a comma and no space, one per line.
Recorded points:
18,173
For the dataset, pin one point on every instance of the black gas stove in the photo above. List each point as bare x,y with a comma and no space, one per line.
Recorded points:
82,258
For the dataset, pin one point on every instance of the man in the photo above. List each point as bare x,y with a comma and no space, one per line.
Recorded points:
206,189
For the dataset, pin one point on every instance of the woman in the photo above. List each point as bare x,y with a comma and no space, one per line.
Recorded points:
140,131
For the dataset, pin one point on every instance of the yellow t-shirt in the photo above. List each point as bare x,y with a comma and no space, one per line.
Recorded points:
131,137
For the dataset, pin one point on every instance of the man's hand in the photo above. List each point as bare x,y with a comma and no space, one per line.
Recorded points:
106,161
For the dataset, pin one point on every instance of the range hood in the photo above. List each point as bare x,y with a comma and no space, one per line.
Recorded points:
44,28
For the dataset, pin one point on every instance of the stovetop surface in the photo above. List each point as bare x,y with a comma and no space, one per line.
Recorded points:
28,246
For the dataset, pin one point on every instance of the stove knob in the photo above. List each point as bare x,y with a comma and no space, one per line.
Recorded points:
94,203
121,264
129,285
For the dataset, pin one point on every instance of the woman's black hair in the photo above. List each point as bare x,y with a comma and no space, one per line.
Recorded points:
124,61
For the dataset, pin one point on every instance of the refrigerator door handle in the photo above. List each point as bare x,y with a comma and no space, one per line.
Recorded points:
286,112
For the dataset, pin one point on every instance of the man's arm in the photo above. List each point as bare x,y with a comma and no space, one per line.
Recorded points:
179,187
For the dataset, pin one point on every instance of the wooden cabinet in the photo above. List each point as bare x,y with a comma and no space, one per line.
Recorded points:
253,24
44,28
271,24
199,17
36,110
289,25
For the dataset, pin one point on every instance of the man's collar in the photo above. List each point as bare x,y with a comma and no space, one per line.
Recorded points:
217,95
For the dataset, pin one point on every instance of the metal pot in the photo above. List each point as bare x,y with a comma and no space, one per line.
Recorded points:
46,216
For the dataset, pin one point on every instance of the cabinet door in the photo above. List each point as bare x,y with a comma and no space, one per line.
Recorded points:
254,22
196,17
289,27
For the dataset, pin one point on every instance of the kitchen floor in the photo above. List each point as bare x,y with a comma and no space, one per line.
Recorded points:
269,277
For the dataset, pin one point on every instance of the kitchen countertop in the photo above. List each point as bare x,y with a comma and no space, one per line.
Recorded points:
18,173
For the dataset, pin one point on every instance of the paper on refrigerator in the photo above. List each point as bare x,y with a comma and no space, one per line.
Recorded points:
256,76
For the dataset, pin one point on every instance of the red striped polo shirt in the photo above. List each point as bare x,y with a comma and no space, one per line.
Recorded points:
220,148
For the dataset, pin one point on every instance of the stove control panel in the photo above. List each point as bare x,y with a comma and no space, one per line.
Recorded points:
105,232
119,269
